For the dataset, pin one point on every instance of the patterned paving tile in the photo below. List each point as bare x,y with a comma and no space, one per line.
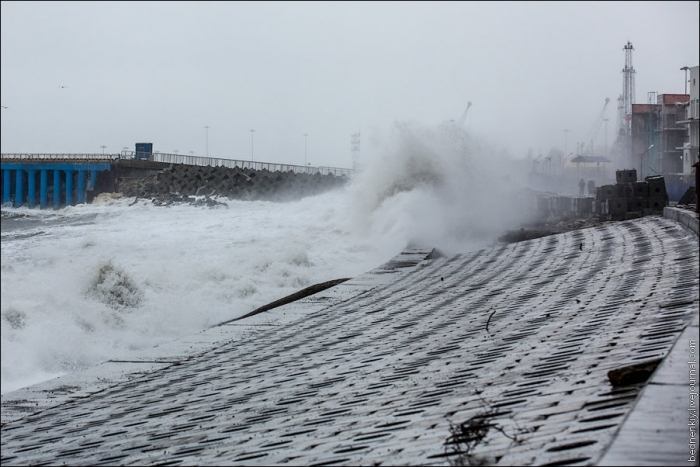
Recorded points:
376,370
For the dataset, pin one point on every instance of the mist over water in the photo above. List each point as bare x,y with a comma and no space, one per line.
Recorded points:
438,186
107,280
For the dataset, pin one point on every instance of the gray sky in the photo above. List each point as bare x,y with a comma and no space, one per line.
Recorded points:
162,71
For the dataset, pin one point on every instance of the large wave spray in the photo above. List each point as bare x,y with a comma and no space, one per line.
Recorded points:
97,282
438,186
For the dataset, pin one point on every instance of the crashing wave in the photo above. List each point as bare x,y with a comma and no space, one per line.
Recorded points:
115,288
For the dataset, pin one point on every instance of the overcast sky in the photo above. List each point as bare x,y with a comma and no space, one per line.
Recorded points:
161,71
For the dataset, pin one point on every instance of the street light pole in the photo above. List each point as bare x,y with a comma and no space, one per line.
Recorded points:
306,145
103,149
206,140
252,145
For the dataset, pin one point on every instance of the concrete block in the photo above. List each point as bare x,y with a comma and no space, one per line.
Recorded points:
584,206
685,217
601,207
637,204
657,203
624,190
564,205
605,192
616,208
617,205
626,176
657,187
640,189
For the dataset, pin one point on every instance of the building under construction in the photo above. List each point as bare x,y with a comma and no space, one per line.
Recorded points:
658,136
690,149
653,137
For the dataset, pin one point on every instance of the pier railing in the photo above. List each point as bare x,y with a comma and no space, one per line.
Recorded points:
180,159
7,157
237,163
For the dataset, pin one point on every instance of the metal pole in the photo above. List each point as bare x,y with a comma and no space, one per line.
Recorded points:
206,143
103,149
306,136
252,146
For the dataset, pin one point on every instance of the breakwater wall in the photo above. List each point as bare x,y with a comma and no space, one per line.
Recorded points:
175,181
57,180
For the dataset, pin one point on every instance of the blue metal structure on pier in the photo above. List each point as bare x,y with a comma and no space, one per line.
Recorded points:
75,175
67,186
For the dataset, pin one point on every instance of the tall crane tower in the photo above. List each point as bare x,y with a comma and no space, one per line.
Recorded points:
628,94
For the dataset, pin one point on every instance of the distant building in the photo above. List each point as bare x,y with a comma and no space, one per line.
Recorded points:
658,137
645,123
690,148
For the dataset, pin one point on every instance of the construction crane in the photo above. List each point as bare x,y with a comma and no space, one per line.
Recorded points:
595,129
463,118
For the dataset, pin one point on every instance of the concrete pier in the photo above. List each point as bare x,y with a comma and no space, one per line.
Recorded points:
56,189
31,187
168,178
6,182
43,188
19,188
60,187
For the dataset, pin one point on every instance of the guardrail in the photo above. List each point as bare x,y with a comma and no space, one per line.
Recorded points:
182,159
236,163
59,157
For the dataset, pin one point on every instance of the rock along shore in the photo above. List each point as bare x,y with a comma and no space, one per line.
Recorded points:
178,182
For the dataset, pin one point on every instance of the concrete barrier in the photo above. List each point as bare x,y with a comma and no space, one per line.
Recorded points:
175,181
685,217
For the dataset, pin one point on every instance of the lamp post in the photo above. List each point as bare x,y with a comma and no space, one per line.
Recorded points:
206,140
103,149
252,145
306,146
685,68
641,161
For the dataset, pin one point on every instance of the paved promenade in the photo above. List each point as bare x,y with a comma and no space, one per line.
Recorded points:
520,336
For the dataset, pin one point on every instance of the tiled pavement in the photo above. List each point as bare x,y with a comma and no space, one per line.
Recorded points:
374,375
